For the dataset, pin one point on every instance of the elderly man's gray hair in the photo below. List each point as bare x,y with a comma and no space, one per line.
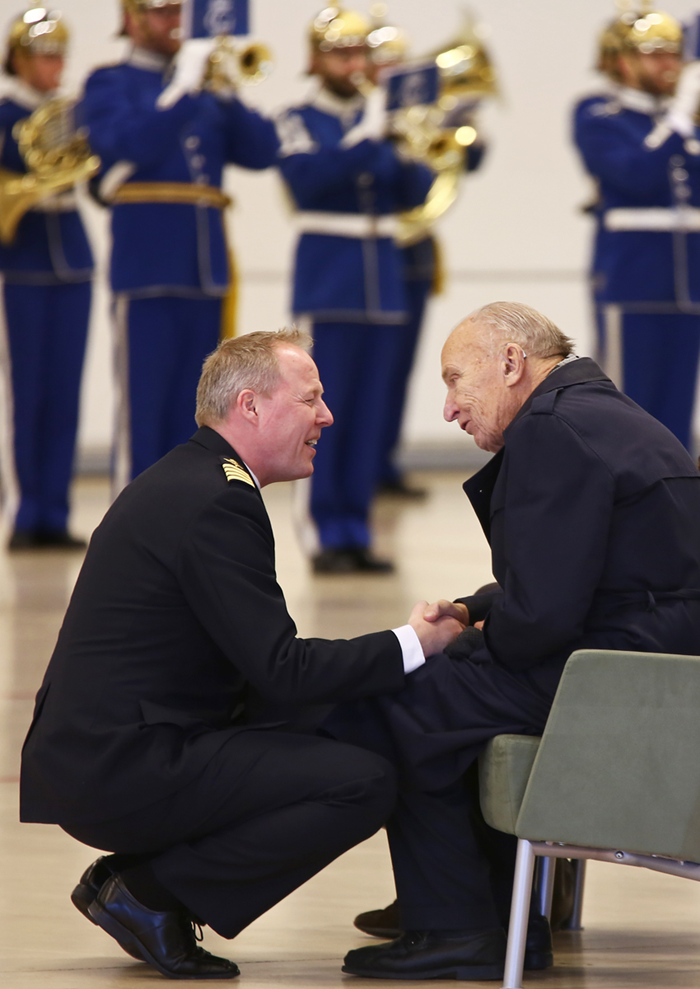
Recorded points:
248,361
514,322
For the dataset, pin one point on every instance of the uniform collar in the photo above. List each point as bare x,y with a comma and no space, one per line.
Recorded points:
27,97
564,375
211,440
141,58
639,101
345,109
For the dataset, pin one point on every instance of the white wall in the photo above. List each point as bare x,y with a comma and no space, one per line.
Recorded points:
516,233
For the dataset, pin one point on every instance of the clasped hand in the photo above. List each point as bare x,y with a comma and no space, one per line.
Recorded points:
438,624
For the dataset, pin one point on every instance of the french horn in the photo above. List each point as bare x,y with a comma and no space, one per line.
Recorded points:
57,156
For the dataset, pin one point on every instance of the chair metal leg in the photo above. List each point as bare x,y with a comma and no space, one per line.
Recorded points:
519,912
545,885
574,923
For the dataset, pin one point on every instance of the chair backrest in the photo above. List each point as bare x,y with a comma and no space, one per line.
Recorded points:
619,762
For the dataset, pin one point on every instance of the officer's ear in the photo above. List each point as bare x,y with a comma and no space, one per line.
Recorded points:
247,403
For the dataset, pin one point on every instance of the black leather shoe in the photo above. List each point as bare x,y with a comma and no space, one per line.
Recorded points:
426,955
399,488
166,940
380,923
538,947
339,561
59,539
367,562
91,882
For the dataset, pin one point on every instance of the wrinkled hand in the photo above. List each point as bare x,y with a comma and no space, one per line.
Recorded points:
373,123
443,626
686,101
191,64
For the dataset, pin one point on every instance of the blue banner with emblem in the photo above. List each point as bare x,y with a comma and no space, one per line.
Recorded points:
210,18
411,85
691,39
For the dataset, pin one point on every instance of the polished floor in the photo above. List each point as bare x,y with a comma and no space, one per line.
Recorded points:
641,929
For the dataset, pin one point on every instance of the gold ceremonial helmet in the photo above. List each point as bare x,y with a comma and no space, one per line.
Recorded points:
386,43
638,29
338,28
140,6
39,31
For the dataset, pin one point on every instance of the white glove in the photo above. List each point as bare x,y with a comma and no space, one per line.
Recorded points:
686,101
191,64
373,123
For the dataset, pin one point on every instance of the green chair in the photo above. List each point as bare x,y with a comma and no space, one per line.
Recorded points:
615,776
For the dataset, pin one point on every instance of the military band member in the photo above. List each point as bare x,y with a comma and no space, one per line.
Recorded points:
423,265
46,271
164,142
348,182
640,143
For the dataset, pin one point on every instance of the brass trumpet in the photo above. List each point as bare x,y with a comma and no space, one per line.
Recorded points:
232,64
57,157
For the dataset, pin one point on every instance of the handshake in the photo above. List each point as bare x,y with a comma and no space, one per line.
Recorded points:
437,625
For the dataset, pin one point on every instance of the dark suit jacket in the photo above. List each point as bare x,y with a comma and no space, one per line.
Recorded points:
592,510
175,618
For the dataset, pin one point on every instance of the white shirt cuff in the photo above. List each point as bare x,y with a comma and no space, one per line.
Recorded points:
411,648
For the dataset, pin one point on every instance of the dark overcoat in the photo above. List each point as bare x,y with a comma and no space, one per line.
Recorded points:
175,623
592,511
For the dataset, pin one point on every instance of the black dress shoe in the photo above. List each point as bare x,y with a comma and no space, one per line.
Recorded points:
340,561
59,539
380,923
367,562
428,955
22,539
538,947
91,882
166,940
398,488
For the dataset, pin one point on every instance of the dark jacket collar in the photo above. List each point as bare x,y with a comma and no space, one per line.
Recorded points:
578,372
213,441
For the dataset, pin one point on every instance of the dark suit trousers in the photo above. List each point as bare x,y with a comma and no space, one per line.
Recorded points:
270,811
451,870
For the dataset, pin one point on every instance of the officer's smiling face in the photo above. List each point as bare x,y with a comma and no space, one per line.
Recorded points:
292,417
478,397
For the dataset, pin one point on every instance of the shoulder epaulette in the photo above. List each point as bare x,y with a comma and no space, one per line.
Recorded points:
235,472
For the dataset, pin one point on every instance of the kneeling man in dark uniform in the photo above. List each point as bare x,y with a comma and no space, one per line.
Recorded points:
147,737
592,511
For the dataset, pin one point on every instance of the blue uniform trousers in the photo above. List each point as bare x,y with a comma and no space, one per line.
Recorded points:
356,363
417,292
162,343
47,332
658,361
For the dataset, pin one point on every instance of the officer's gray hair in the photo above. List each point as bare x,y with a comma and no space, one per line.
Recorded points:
514,322
248,361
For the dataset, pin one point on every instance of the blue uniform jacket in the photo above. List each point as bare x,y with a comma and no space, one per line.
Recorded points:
592,511
633,265
50,246
161,248
343,278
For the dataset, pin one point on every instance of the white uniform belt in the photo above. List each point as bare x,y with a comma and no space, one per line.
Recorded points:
655,218
345,224
63,202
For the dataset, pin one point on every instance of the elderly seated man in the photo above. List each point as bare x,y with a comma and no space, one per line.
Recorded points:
592,511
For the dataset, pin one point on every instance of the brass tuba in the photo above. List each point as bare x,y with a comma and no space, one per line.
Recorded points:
57,157
446,129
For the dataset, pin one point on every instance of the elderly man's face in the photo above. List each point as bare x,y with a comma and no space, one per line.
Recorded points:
478,396
292,418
